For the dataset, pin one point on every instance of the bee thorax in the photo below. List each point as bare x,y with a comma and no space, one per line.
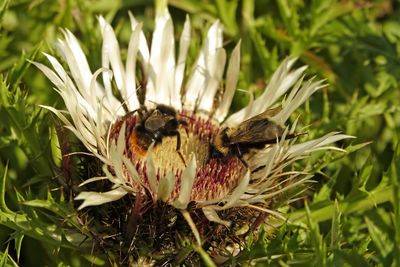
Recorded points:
220,144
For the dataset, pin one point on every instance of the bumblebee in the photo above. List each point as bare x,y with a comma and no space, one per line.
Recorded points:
153,125
254,133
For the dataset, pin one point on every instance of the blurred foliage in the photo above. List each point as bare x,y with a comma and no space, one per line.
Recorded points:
352,215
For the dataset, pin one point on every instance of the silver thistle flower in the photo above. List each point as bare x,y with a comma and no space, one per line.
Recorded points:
185,175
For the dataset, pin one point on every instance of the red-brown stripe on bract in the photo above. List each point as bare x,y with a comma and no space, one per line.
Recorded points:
215,177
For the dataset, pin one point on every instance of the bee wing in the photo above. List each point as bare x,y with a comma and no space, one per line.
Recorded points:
256,130
262,116
156,121
269,113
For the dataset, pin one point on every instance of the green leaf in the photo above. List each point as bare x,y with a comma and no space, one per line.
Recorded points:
262,50
227,12
361,180
335,228
3,204
380,238
395,179
289,15
6,260
352,258
3,9
357,204
18,71
18,243
94,260
326,190
316,239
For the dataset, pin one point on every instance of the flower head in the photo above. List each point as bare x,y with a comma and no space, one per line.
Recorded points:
167,137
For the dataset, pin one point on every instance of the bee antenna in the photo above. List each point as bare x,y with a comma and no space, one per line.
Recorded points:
300,134
153,102
186,117
295,135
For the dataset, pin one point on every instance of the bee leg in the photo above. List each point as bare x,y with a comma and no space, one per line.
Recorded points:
178,146
244,162
258,169
178,140
181,156
259,220
185,126
183,122
240,156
